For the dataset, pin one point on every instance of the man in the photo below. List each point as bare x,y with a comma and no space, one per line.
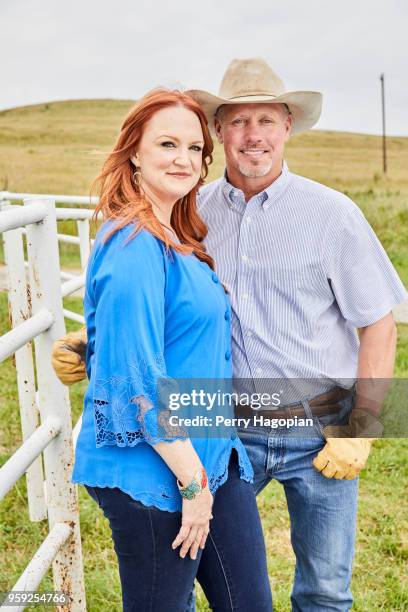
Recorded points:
304,271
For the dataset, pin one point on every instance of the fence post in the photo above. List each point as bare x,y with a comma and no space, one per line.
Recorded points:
20,310
62,501
84,241
84,244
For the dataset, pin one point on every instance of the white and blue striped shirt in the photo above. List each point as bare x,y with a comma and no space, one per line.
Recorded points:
303,269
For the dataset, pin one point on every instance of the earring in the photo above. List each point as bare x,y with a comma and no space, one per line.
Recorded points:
137,177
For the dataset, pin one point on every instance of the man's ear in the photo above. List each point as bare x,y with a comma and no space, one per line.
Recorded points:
288,127
218,129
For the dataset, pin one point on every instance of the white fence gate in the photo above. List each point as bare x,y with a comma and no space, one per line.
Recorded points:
37,314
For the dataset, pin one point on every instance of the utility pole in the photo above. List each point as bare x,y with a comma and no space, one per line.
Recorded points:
384,144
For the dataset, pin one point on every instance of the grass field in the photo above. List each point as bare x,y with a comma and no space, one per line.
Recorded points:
58,148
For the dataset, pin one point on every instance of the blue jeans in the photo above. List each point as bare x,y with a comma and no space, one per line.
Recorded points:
322,511
231,569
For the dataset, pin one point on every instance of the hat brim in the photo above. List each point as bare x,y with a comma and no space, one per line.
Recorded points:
305,106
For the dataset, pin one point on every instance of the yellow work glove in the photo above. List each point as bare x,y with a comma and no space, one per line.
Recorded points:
348,446
68,357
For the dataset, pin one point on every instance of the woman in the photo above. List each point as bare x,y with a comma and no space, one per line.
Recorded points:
156,313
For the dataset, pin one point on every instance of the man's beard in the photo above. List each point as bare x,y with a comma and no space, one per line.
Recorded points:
254,171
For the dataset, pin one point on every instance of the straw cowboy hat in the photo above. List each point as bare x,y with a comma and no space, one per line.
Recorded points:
252,80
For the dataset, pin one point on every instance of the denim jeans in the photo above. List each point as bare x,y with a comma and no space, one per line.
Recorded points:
322,511
231,569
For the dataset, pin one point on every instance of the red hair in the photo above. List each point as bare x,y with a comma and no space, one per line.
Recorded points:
120,197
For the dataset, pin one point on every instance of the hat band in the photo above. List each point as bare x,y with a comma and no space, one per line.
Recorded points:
249,95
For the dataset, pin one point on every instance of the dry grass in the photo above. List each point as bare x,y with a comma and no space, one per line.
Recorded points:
58,148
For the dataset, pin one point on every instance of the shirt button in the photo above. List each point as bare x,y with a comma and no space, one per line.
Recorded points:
214,277
258,371
249,219
228,355
245,296
227,315
244,258
249,334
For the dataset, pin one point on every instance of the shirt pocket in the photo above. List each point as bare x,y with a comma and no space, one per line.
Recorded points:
304,284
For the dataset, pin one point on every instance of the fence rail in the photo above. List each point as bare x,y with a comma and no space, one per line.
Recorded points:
37,315
58,199
17,214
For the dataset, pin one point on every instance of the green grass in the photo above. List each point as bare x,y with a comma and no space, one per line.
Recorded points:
58,148
382,539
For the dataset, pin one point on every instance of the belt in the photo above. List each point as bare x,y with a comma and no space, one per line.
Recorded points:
326,403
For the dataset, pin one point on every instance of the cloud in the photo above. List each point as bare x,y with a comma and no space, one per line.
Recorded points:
96,49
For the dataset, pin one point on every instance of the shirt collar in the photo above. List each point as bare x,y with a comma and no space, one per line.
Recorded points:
235,197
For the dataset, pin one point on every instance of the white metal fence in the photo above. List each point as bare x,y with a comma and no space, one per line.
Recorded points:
82,217
37,314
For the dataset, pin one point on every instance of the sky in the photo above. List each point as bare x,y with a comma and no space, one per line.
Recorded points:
53,50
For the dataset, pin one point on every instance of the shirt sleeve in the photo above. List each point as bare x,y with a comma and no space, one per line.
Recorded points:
364,281
126,315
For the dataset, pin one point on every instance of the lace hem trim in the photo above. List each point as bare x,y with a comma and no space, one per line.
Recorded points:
128,410
162,502
169,500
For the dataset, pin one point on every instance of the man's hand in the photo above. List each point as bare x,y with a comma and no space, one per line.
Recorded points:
345,453
68,357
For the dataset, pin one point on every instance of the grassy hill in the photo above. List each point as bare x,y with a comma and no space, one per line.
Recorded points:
58,148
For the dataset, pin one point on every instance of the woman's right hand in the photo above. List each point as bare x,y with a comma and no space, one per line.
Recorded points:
195,523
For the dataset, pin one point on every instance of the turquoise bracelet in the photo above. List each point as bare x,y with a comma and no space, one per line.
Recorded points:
194,488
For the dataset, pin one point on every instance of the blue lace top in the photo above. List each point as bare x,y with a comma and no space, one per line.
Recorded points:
150,316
